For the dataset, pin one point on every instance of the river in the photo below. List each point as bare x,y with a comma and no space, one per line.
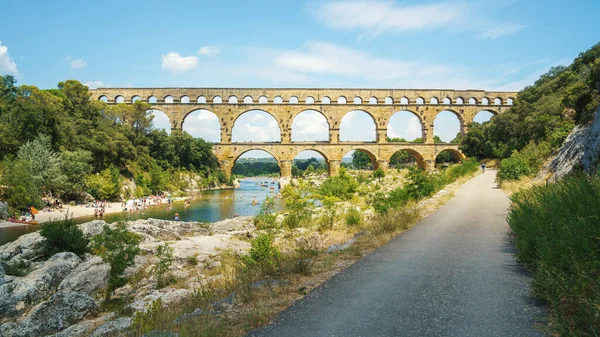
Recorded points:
211,206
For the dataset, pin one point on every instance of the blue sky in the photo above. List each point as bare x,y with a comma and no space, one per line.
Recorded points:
492,45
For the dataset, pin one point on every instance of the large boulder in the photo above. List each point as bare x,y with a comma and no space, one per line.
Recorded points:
23,292
61,311
152,229
237,224
113,327
3,211
88,277
92,228
28,245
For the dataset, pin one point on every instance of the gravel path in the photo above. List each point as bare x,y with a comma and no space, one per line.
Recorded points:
454,274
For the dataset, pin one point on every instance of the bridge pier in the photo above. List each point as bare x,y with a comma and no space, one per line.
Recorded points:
334,136
383,165
334,167
286,168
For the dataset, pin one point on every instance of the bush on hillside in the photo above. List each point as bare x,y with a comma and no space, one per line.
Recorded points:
513,168
64,236
342,186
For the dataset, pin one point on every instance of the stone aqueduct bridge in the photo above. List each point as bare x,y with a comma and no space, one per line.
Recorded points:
285,104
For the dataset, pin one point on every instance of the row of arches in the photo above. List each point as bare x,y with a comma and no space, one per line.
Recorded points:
497,101
313,126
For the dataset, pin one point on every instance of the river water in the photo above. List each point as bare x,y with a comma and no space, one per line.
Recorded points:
211,206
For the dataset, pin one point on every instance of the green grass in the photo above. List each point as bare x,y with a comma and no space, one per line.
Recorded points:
558,235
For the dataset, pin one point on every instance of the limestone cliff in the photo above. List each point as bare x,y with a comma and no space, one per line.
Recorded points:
580,150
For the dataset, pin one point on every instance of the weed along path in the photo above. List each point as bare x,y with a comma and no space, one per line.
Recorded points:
454,274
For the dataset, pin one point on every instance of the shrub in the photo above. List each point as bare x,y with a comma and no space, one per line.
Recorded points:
192,260
118,247
263,254
421,184
342,186
266,219
377,174
396,219
164,253
16,267
557,234
64,236
307,248
353,217
513,168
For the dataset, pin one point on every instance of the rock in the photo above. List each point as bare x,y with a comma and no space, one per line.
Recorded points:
214,264
23,292
167,295
201,245
112,327
92,228
225,303
3,211
580,149
88,277
268,283
236,183
60,311
28,245
237,224
335,248
151,229
80,329
188,316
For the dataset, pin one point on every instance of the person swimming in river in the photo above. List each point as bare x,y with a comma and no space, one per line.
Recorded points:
254,202
176,216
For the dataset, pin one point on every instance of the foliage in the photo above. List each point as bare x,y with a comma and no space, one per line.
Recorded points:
401,218
513,168
75,166
341,186
251,167
118,247
378,174
266,218
557,234
354,217
543,113
307,166
192,260
421,184
327,219
361,160
164,254
16,267
298,208
105,185
263,254
64,236
20,191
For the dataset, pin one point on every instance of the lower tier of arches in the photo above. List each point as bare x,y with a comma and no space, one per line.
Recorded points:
380,154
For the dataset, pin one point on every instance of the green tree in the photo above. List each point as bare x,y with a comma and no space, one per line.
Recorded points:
360,160
19,189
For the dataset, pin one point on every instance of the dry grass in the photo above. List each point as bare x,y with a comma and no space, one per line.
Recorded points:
511,187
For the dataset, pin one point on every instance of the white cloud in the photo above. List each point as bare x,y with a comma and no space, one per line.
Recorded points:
94,84
499,31
374,18
209,51
404,125
7,64
310,126
249,128
78,64
176,63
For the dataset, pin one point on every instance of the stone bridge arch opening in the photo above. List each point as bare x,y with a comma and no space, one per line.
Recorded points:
358,125
310,125
203,124
448,156
255,162
255,126
484,116
447,126
359,159
308,162
160,120
405,126
406,158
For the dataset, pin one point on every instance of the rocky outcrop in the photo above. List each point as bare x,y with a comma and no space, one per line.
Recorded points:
28,246
89,277
3,211
153,229
580,150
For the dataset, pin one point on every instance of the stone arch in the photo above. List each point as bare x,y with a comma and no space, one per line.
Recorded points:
370,154
309,100
313,124
205,118
184,99
388,100
263,99
472,101
373,100
237,156
160,120
343,132
510,101
201,99
420,101
298,151
416,155
447,101
405,112
237,117
485,101
217,100
342,100
434,100
232,99
248,99
119,99
497,101
135,98
461,124
103,98
457,155
152,99
358,100
404,100
481,118
460,100
168,99
277,100
293,100
325,100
